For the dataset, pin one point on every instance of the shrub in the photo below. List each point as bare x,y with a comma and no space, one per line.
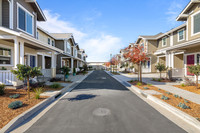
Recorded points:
55,86
189,82
38,91
153,79
161,67
183,85
131,81
159,89
164,97
168,93
149,84
146,88
177,96
15,96
186,101
183,106
139,83
198,119
159,80
15,105
3,68
2,89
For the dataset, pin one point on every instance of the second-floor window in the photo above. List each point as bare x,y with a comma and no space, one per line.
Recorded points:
180,35
53,43
196,23
68,48
164,41
49,41
25,20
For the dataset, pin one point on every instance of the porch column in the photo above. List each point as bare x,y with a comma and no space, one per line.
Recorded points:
43,61
16,55
172,60
72,64
53,64
22,52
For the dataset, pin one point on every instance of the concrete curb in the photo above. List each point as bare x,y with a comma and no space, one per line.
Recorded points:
22,117
184,116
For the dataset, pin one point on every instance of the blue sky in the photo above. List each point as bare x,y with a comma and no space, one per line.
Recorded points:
102,27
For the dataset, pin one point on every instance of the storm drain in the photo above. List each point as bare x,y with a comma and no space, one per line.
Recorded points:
101,112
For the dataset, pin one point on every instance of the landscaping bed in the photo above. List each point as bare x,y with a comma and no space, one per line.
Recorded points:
172,99
8,114
162,80
189,88
115,73
52,87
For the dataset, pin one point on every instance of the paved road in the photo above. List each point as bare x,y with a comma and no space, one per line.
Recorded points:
102,105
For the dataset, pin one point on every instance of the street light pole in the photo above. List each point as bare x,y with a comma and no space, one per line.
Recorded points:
110,63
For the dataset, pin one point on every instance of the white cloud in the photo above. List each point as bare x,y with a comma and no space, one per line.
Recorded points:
97,45
174,9
100,48
54,24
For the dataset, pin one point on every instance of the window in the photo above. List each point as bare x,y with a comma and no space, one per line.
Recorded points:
5,56
180,35
53,44
164,41
75,53
25,20
68,48
37,35
32,61
196,23
49,41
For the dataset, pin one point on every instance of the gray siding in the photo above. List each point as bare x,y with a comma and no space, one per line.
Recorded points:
29,8
5,13
175,37
59,44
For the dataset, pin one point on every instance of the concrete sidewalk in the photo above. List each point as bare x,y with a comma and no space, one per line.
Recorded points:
193,97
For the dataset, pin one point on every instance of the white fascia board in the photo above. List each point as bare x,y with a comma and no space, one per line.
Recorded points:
9,31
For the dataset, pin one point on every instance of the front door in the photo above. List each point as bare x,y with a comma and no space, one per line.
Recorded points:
190,61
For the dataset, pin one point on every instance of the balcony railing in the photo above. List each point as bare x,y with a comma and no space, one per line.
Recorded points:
6,77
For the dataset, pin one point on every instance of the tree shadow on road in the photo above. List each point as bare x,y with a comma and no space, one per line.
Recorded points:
81,97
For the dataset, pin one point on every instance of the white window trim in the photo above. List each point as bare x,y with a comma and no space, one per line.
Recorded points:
183,35
69,52
11,58
192,24
19,5
163,42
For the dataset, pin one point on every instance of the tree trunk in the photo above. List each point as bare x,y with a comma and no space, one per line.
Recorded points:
160,74
140,73
197,81
28,88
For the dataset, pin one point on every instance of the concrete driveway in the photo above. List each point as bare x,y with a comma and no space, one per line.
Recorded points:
100,104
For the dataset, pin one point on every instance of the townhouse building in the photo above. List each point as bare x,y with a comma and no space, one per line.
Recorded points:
23,42
73,56
177,48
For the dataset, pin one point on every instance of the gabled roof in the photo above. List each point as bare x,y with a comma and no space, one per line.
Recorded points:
40,14
184,14
46,32
62,35
153,37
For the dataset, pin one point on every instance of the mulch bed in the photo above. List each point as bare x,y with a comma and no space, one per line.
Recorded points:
115,73
189,88
48,88
194,108
8,114
163,80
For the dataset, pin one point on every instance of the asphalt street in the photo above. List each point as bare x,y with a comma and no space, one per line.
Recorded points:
100,104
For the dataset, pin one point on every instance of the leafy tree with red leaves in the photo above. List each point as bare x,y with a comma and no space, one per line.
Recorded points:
114,61
137,56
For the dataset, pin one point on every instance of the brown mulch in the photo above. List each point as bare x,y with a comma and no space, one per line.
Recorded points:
6,114
135,82
189,88
194,108
163,80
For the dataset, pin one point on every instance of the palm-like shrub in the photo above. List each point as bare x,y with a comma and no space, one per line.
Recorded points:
196,71
38,91
2,87
161,67
24,72
65,70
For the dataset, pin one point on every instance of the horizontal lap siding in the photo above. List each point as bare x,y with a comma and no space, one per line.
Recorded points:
5,13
